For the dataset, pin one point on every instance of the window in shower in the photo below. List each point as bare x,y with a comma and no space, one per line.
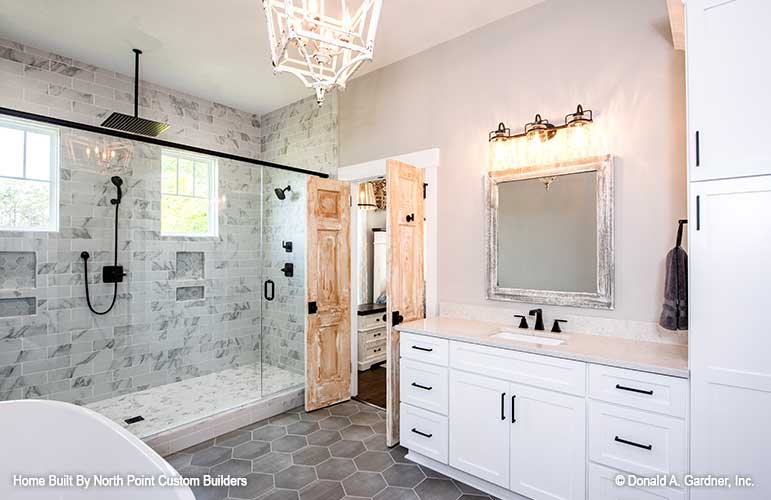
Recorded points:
29,173
188,195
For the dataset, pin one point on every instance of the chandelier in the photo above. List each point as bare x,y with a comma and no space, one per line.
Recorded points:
321,42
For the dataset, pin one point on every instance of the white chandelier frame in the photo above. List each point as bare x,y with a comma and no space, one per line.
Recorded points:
320,50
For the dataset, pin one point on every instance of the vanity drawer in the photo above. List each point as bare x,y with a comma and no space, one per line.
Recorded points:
635,441
372,335
424,348
423,432
646,391
601,486
375,349
371,321
423,385
546,372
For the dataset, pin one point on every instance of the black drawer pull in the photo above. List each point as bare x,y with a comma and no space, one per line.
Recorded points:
426,349
421,386
421,433
503,402
513,413
632,443
632,389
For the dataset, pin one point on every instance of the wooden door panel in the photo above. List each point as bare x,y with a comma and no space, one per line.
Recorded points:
328,332
406,290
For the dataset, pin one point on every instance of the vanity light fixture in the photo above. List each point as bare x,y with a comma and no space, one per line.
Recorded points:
321,42
502,134
580,118
540,129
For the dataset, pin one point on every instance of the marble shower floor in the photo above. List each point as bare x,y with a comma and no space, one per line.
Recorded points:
179,403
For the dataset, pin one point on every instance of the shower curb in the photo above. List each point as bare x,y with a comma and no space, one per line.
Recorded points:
182,437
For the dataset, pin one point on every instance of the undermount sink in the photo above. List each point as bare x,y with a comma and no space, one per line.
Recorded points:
523,337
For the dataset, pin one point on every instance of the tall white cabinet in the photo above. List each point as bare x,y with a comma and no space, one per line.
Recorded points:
730,242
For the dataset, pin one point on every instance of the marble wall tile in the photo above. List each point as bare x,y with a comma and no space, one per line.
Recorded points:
17,270
190,293
21,306
190,265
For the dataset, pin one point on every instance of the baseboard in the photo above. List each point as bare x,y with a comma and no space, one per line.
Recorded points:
191,434
480,484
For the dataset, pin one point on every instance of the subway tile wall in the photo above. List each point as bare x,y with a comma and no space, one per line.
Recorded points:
62,351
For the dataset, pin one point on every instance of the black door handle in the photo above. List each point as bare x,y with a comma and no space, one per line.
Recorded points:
513,414
421,433
272,294
632,389
410,217
632,443
503,402
414,384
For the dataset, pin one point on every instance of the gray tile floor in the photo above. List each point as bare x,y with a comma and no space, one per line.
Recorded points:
330,454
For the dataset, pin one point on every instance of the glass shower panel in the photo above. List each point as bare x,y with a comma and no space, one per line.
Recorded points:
283,307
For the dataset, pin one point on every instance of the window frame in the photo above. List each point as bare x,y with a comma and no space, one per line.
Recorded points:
53,182
213,210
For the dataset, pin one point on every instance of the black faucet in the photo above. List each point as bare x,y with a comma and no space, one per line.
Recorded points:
538,313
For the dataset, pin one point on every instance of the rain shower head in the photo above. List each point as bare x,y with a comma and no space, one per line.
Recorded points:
281,193
134,124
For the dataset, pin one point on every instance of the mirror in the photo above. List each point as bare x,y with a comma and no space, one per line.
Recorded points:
550,234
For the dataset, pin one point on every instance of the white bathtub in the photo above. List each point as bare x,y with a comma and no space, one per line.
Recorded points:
43,438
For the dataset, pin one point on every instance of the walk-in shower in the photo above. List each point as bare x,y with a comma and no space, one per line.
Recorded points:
191,332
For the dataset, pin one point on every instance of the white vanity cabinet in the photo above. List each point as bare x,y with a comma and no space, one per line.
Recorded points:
522,425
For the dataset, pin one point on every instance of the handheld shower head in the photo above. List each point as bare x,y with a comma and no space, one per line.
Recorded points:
118,183
281,193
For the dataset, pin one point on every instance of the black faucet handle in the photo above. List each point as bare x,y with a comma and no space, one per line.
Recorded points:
556,326
522,322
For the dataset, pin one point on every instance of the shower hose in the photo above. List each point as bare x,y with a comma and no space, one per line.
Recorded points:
85,256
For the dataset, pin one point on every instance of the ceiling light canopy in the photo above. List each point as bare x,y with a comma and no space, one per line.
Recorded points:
322,42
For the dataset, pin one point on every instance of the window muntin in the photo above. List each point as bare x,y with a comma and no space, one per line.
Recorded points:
29,176
188,195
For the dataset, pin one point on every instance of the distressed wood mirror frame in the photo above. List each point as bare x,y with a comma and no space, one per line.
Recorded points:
604,297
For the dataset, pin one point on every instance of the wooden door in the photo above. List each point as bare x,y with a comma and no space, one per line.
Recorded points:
547,427
728,98
479,426
730,264
404,262
328,290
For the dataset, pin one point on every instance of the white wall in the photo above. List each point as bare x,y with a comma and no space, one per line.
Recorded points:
615,57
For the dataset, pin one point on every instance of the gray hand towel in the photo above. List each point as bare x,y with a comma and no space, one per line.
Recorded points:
674,315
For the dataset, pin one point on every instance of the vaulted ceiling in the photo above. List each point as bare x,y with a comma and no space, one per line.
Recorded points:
218,49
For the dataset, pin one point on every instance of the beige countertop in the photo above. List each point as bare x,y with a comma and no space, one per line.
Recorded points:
654,357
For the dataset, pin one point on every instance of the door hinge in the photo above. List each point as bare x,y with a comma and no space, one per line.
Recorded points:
396,318
425,188
312,308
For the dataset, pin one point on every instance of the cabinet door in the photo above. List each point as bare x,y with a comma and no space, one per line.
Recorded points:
730,337
548,444
728,99
479,426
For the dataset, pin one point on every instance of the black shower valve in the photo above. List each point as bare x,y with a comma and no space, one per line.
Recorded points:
113,274
287,246
288,269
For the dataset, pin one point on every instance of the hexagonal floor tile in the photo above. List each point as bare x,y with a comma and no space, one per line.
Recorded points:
398,453
364,484
376,443
393,493
374,461
365,418
232,439
314,416
358,432
295,477
334,423
323,437
323,490
302,428
233,467
344,409
285,419
280,495
475,497
211,456
251,450
268,433
379,427
256,485
403,475
437,489
347,449
272,462
310,455
336,469
289,443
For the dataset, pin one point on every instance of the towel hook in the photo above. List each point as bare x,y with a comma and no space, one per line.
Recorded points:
680,231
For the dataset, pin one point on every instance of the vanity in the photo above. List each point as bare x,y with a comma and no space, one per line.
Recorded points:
546,416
